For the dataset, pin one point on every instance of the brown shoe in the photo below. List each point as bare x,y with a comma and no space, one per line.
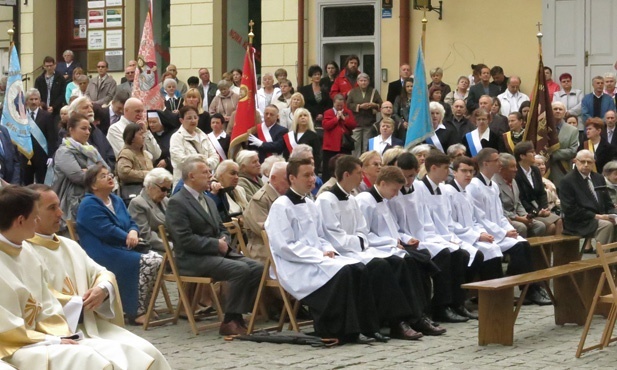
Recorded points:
231,328
404,331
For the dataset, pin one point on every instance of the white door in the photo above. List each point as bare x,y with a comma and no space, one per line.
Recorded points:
579,38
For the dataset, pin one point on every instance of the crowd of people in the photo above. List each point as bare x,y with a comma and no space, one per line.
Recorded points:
384,237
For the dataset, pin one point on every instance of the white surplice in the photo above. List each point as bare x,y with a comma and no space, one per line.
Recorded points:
344,226
297,244
72,273
489,212
383,230
413,218
465,224
32,322
439,210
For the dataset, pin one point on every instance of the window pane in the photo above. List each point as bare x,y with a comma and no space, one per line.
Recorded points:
349,21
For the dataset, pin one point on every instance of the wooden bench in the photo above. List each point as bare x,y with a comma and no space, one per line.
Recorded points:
560,249
495,299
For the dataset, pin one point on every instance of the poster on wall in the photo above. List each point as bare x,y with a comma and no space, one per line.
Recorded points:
114,17
96,40
113,39
115,60
93,4
114,2
96,18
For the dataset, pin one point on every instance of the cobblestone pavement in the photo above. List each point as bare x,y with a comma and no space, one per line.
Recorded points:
538,344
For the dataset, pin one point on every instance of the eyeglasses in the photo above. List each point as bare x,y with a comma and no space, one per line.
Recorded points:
163,188
101,66
105,176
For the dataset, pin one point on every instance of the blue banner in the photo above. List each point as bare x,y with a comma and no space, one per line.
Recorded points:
420,127
14,116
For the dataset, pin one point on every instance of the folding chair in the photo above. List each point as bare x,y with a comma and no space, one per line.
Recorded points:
288,310
183,302
608,257
72,227
237,239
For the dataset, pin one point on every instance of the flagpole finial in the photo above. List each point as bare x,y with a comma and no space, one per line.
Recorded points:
424,22
251,34
11,32
539,35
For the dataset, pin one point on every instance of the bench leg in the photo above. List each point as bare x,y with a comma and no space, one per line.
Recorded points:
569,251
569,308
496,317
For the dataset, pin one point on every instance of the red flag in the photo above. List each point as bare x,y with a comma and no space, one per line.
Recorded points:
146,83
245,113
540,128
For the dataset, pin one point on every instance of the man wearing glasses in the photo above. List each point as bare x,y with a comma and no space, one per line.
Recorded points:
103,87
585,203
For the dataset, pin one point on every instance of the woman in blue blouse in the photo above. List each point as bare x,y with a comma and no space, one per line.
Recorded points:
109,235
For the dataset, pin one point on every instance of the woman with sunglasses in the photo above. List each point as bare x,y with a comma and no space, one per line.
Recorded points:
149,207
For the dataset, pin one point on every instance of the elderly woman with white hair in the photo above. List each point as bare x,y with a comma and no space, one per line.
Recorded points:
610,176
266,167
97,138
445,133
172,102
148,208
249,172
267,94
421,152
225,102
364,101
230,199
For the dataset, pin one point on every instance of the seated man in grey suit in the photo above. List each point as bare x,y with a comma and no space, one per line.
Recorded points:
509,194
201,243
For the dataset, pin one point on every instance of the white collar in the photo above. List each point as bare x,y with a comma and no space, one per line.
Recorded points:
526,172
458,184
440,126
510,95
486,179
48,237
343,190
486,135
222,135
193,192
298,194
387,141
433,184
585,177
8,242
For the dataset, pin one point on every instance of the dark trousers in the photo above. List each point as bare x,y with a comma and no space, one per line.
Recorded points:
325,170
344,306
447,283
520,259
35,171
391,302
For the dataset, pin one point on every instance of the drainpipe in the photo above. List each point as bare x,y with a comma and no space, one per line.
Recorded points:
300,63
404,32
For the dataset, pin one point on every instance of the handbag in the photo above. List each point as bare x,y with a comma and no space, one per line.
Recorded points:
347,141
374,111
130,191
142,247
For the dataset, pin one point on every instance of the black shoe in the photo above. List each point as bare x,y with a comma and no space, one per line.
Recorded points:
403,331
463,311
379,337
426,327
539,296
447,314
363,339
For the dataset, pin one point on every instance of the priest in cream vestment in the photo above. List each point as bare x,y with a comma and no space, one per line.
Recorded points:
72,274
34,333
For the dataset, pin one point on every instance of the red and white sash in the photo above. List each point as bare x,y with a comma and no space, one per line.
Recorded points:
290,141
217,146
263,133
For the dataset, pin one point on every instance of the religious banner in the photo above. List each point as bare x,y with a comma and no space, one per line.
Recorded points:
245,113
14,116
145,85
420,126
540,127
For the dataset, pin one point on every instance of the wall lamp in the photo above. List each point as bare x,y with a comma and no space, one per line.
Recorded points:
426,4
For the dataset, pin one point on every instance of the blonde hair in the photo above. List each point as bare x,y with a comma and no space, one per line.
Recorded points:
366,156
297,113
193,92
